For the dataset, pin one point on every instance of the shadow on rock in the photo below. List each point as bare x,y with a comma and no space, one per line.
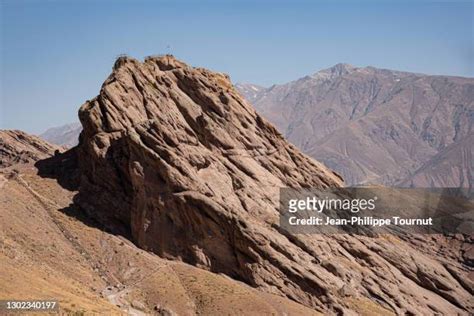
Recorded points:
64,168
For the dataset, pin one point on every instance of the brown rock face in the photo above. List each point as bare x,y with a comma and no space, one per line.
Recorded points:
49,248
20,147
176,156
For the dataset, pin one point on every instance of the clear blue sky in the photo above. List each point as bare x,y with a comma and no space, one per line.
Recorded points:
56,54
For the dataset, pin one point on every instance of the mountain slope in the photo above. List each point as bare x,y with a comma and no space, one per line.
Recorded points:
451,167
173,155
19,147
251,91
164,136
49,249
371,125
65,135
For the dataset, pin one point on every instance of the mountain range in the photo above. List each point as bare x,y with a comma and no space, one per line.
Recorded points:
49,248
377,126
65,135
373,126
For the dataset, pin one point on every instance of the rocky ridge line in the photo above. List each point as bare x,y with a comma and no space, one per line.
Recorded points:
19,147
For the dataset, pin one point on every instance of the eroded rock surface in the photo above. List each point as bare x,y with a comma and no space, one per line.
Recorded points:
175,155
50,249
19,147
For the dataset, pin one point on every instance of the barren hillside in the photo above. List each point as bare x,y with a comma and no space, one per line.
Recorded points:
374,125
50,249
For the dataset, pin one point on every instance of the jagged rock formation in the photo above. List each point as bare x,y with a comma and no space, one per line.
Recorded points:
20,147
175,155
65,135
49,249
374,125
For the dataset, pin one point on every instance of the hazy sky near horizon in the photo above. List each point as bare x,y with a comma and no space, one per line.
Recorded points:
56,54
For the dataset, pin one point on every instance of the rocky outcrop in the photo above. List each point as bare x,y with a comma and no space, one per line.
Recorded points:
373,126
49,248
20,147
175,155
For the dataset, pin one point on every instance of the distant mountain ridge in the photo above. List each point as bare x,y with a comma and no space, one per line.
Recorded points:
451,167
64,135
376,125
250,91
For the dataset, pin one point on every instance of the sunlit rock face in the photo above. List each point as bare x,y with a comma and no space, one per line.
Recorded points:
176,156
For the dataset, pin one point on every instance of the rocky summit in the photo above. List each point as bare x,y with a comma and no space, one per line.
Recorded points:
176,157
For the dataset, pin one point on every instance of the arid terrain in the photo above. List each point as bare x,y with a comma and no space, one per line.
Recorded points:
49,249
376,125
169,206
